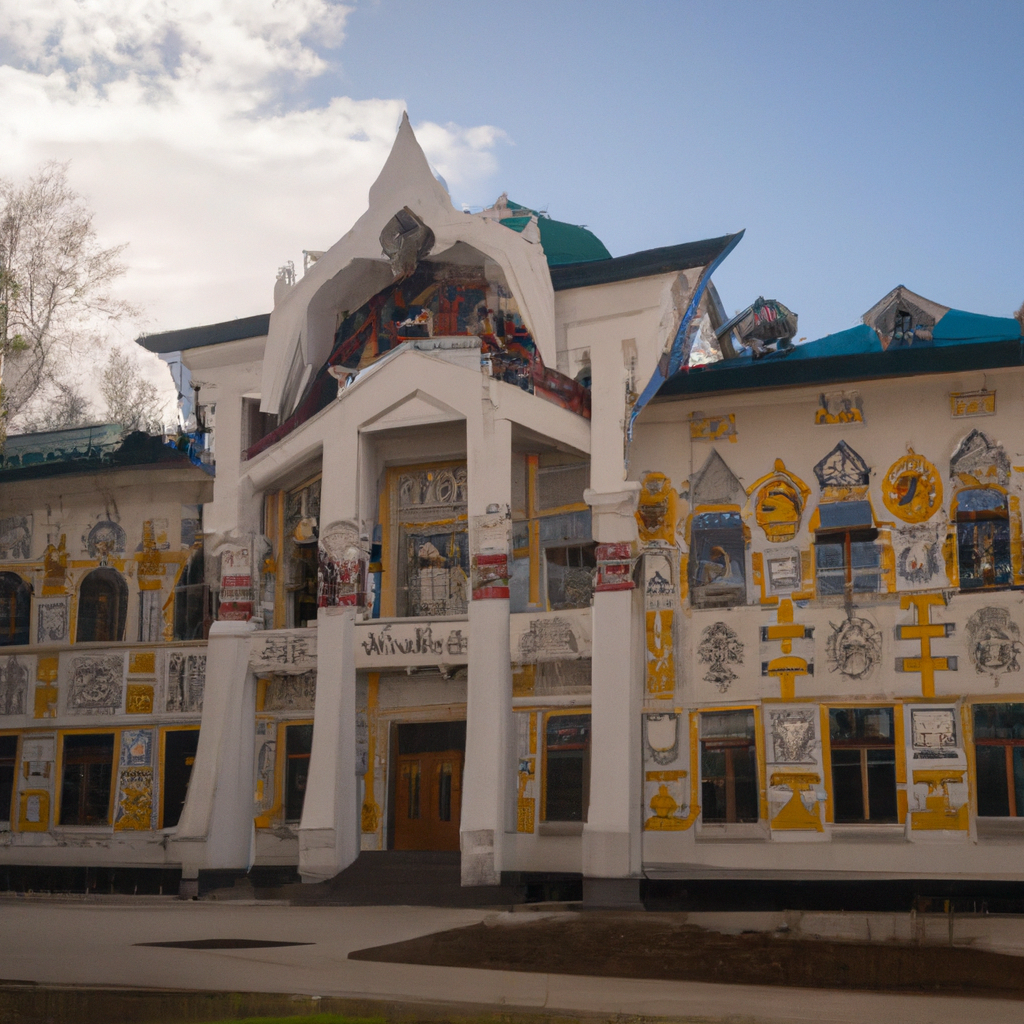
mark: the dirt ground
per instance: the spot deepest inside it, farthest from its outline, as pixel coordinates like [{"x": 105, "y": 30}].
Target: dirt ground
[{"x": 662, "y": 946}]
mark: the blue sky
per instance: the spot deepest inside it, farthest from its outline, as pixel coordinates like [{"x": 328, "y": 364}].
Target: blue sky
[{"x": 861, "y": 145}]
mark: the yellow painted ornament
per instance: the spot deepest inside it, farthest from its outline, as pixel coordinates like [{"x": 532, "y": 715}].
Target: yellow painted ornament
[{"x": 912, "y": 489}]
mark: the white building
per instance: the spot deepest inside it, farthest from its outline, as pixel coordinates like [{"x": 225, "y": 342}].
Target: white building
[{"x": 498, "y": 564}]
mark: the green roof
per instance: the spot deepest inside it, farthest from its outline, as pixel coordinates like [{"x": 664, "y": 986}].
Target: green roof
[{"x": 563, "y": 243}]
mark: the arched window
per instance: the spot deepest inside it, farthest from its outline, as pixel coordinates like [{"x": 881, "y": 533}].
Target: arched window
[
  {"x": 983, "y": 538},
  {"x": 15, "y": 609},
  {"x": 102, "y": 606}
]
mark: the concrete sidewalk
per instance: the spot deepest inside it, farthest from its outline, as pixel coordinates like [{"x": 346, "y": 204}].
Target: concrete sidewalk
[{"x": 87, "y": 943}]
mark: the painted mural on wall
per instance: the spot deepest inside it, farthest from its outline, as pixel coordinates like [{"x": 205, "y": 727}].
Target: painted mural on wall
[
  {"x": 836, "y": 408},
  {"x": 526, "y": 757},
  {"x": 290, "y": 693},
  {"x": 659, "y": 612},
  {"x": 15, "y": 538},
  {"x": 553, "y": 638},
  {"x": 14, "y": 677},
  {"x": 662, "y": 737},
  {"x": 841, "y": 470},
  {"x": 96, "y": 684},
  {"x": 787, "y": 650},
  {"x": 979, "y": 461},
  {"x": 854, "y": 647},
  {"x": 912, "y": 488},
  {"x": 186, "y": 681},
  {"x": 656, "y": 512},
  {"x": 717, "y": 557},
  {"x": 713, "y": 428},
  {"x": 134, "y": 800},
  {"x": 235, "y": 583},
  {"x": 105, "y": 539},
  {"x": 993, "y": 643},
  {"x": 919, "y": 561},
  {"x": 51, "y": 620},
  {"x": 933, "y": 733},
  {"x": 665, "y": 798},
  {"x": 283, "y": 651},
  {"x": 793, "y": 736},
  {"x": 779, "y": 503},
  {"x": 720, "y": 648},
  {"x": 972, "y": 403},
  {"x": 136, "y": 747}
]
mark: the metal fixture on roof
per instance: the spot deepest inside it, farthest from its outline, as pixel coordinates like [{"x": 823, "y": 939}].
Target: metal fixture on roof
[{"x": 763, "y": 323}]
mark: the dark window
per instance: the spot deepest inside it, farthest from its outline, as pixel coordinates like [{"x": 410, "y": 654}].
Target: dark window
[
  {"x": 567, "y": 767},
  {"x": 102, "y": 606},
  {"x": 863, "y": 764},
  {"x": 255, "y": 424},
  {"x": 728, "y": 758},
  {"x": 570, "y": 570},
  {"x": 999, "y": 749},
  {"x": 180, "y": 747},
  {"x": 444, "y": 791},
  {"x": 847, "y": 561},
  {"x": 983, "y": 539},
  {"x": 85, "y": 781},
  {"x": 717, "y": 560},
  {"x": 8, "y": 760},
  {"x": 15, "y": 609},
  {"x": 297, "y": 747},
  {"x": 192, "y": 613}
]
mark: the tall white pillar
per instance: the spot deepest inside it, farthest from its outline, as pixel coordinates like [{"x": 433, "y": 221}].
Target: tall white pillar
[
  {"x": 216, "y": 831},
  {"x": 489, "y": 702},
  {"x": 329, "y": 830}
]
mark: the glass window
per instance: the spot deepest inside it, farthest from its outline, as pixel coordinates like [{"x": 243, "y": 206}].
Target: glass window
[
  {"x": 298, "y": 746},
  {"x": 180, "y": 747},
  {"x": 728, "y": 767},
  {"x": 102, "y": 606},
  {"x": 8, "y": 759},
  {"x": 847, "y": 559},
  {"x": 567, "y": 767},
  {"x": 717, "y": 560},
  {"x": 999, "y": 752},
  {"x": 863, "y": 764},
  {"x": 15, "y": 609},
  {"x": 983, "y": 539},
  {"x": 85, "y": 779},
  {"x": 192, "y": 613}
]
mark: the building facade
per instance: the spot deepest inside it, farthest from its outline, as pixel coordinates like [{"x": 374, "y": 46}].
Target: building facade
[{"x": 502, "y": 557}]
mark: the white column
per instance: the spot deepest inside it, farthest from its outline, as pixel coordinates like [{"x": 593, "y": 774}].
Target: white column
[
  {"x": 216, "y": 827},
  {"x": 329, "y": 830},
  {"x": 485, "y": 779}
]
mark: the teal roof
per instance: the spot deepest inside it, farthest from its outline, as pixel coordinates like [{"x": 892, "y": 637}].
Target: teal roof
[{"x": 563, "y": 243}]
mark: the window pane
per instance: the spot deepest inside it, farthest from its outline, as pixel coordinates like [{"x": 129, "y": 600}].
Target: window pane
[
  {"x": 829, "y": 553},
  {"x": 868, "y": 725},
  {"x": 882, "y": 785},
  {"x": 180, "y": 747},
  {"x": 983, "y": 551},
  {"x": 736, "y": 724},
  {"x": 984, "y": 500},
  {"x": 85, "y": 780},
  {"x": 999, "y": 721},
  {"x": 1018, "y": 780},
  {"x": 298, "y": 744},
  {"x": 713, "y": 785},
  {"x": 564, "y": 786},
  {"x": 831, "y": 581},
  {"x": 717, "y": 560},
  {"x": 744, "y": 765},
  {"x": 847, "y": 786},
  {"x": 865, "y": 555},
  {"x": 993, "y": 797}
]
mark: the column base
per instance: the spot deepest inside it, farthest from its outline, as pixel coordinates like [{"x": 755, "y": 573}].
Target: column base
[
  {"x": 479, "y": 861},
  {"x": 612, "y": 894}
]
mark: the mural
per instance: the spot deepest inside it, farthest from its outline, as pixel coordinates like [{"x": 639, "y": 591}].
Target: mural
[
  {"x": 135, "y": 800},
  {"x": 923, "y": 631},
  {"x": 912, "y": 488},
  {"x": 933, "y": 733},
  {"x": 290, "y": 693},
  {"x": 14, "y": 675},
  {"x": 662, "y": 738},
  {"x": 96, "y": 684},
  {"x": 993, "y": 643},
  {"x": 55, "y": 567},
  {"x": 719, "y": 649},
  {"x": 793, "y": 736},
  {"x": 839, "y": 407},
  {"x": 186, "y": 681},
  {"x": 15, "y": 537},
  {"x": 51, "y": 620},
  {"x": 136, "y": 747},
  {"x": 787, "y": 650},
  {"x": 659, "y": 610},
  {"x": 284, "y": 651},
  {"x": 972, "y": 403},
  {"x": 854, "y": 648},
  {"x": 106, "y": 538},
  {"x": 713, "y": 428},
  {"x": 235, "y": 583},
  {"x": 656, "y": 513},
  {"x": 841, "y": 469},
  {"x": 780, "y": 502},
  {"x": 978, "y": 461},
  {"x": 784, "y": 570},
  {"x": 919, "y": 561}
]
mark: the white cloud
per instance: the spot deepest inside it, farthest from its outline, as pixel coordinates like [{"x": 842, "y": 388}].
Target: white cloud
[{"x": 187, "y": 134}]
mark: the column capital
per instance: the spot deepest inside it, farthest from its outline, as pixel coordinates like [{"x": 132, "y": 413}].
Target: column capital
[{"x": 613, "y": 512}]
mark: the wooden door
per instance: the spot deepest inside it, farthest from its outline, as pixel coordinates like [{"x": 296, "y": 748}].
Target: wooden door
[{"x": 428, "y": 800}]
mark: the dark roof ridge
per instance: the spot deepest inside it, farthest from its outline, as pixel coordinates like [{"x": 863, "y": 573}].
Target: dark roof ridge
[{"x": 206, "y": 334}]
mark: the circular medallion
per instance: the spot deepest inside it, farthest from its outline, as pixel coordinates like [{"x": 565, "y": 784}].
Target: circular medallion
[{"x": 912, "y": 489}]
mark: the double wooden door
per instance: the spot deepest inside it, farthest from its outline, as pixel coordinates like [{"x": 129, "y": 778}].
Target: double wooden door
[{"x": 428, "y": 800}]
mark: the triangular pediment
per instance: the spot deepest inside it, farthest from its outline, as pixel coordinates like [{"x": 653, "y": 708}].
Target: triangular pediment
[
  {"x": 416, "y": 409},
  {"x": 716, "y": 484}
]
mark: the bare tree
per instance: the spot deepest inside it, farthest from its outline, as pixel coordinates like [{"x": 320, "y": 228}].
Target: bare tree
[
  {"x": 66, "y": 407},
  {"x": 55, "y": 282},
  {"x": 131, "y": 400}
]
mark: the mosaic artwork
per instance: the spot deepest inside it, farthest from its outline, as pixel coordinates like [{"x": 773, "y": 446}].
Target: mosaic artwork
[
  {"x": 993, "y": 642},
  {"x": 14, "y": 675},
  {"x": 719, "y": 649},
  {"x": 15, "y": 537},
  {"x": 51, "y": 620},
  {"x": 854, "y": 648},
  {"x": 793, "y": 736},
  {"x": 95, "y": 685},
  {"x": 136, "y": 747},
  {"x": 186, "y": 681},
  {"x": 290, "y": 693},
  {"x": 912, "y": 488},
  {"x": 135, "y": 800},
  {"x": 919, "y": 561}
]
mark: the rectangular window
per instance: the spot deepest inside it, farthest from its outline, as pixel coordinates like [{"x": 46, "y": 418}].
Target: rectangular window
[
  {"x": 999, "y": 750},
  {"x": 298, "y": 746},
  {"x": 717, "y": 560},
  {"x": 85, "y": 779},
  {"x": 847, "y": 560},
  {"x": 8, "y": 760},
  {"x": 983, "y": 539},
  {"x": 566, "y": 767},
  {"x": 728, "y": 760},
  {"x": 180, "y": 747},
  {"x": 863, "y": 764}
]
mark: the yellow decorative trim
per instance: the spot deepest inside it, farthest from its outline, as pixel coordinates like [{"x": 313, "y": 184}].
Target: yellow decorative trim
[
  {"x": 826, "y": 758},
  {"x": 45, "y": 702},
  {"x": 142, "y": 663},
  {"x": 939, "y": 815},
  {"x": 139, "y": 699},
  {"x": 46, "y": 669},
  {"x": 666, "y": 776},
  {"x": 43, "y": 824},
  {"x": 794, "y": 815}
]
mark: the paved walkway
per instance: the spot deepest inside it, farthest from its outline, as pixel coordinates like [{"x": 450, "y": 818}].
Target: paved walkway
[{"x": 89, "y": 943}]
